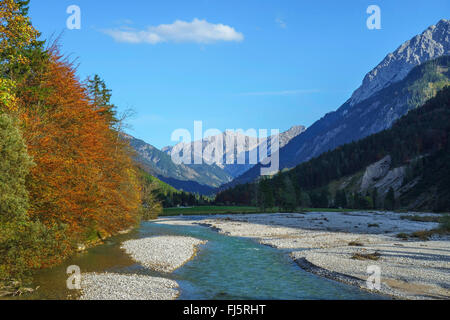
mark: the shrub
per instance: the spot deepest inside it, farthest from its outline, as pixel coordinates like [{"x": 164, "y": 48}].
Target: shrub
[
  {"x": 366, "y": 256},
  {"x": 445, "y": 223}
]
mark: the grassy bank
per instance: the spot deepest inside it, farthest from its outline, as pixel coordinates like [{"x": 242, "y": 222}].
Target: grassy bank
[{"x": 207, "y": 210}]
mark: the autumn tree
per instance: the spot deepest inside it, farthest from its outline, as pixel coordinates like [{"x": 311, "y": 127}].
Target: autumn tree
[
  {"x": 83, "y": 180},
  {"x": 17, "y": 36},
  {"x": 84, "y": 177}
]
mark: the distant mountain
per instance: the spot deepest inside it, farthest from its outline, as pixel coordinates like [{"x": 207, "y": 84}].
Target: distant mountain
[
  {"x": 196, "y": 178},
  {"x": 249, "y": 144},
  {"x": 285, "y": 137},
  {"x": 388, "y": 92}
]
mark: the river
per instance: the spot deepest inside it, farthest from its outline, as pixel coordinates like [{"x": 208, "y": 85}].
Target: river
[{"x": 225, "y": 268}]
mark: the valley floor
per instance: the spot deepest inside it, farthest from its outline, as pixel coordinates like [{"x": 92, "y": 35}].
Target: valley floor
[{"x": 342, "y": 245}]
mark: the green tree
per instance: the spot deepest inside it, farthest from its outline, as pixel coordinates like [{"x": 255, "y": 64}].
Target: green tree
[
  {"x": 289, "y": 201},
  {"x": 305, "y": 200},
  {"x": 23, "y": 243},
  {"x": 355, "y": 200},
  {"x": 341, "y": 199},
  {"x": 151, "y": 206},
  {"x": 375, "y": 198},
  {"x": 21, "y": 55},
  {"x": 266, "y": 199},
  {"x": 14, "y": 167},
  {"x": 324, "y": 198},
  {"x": 101, "y": 96},
  {"x": 366, "y": 202},
  {"x": 389, "y": 200}
]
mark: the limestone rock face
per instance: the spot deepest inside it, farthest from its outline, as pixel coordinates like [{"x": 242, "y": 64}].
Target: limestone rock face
[
  {"x": 432, "y": 43},
  {"x": 375, "y": 172},
  {"x": 394, "y": 178},
  {"x": 381, "y": 176}
]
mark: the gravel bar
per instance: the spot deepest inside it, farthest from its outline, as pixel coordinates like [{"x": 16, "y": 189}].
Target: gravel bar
[
  {"x": 165, "y": 253},
  {"x": 111, "y": 286},
  {"x": 326, "y": 243}
]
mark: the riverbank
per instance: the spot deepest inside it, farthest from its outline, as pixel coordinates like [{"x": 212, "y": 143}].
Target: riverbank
[{"x": 342, "y": 245}]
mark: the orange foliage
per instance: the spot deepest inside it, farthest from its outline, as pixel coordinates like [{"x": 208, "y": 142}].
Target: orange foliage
[{"x": 84, "y": 176}]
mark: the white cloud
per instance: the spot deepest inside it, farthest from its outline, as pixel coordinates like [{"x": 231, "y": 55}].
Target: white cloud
[
  {"x": 281, "y": 93},
  {"x": 197, "y": 31}
]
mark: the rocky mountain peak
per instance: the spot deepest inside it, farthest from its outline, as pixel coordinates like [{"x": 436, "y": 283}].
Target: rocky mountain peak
[
  {"x": 288, "y": 135},
  {"x": 432, "y": 43}
]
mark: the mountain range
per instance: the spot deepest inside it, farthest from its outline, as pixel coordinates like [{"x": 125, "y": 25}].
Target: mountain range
[
  {"x": 388, "y": 92},
  {"x": 394, "y": 87},
  {"x": 200, "y": 178},
  {"x": 249, "y": 144}
]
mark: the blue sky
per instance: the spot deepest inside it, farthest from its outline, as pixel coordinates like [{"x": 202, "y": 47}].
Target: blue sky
[{"x": 231, "y": 63}]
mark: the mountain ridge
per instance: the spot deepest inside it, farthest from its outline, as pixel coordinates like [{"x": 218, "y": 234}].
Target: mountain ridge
[
  {"x": 356, "y": 120},
  {"x": 195, "y": 178},
  {"x": 431, "y": 43},
  {"x": 250, "y": 143}
]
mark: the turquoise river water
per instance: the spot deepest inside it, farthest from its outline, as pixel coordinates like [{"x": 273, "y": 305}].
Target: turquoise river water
[{"x": 225, "y": 268}]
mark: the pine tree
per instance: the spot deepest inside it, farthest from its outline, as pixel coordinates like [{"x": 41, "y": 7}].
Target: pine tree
[
  {"x": 375, "y": 198},
  {"x": 266, "y": 199},
  {"x": 289, "y": 201},
  {"x": 341, "y": 199},
  {"x": 389, "y": 201},
  {"x": 305, "y": 200},
  {"x": 324, "y": 198},
  {"x": 100, "y": 96}
]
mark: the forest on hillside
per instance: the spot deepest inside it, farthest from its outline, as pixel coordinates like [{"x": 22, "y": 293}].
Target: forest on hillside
[
  {"x": 66, "y": 176},
  {"x": 419, "y": 141},
  {"x": 169, "y": 197}
]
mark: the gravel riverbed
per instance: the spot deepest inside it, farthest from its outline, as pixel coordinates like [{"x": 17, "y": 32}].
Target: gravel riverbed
[{"x": 326, "y": 243}]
